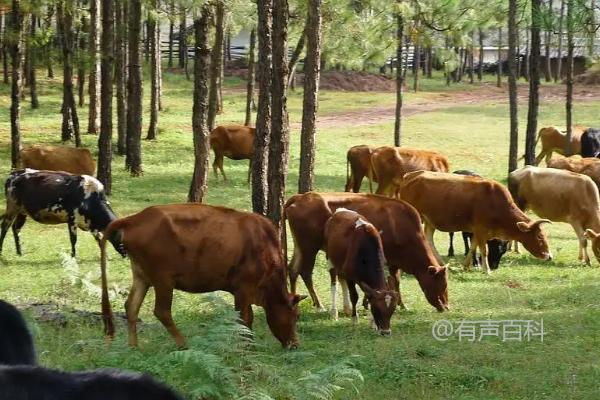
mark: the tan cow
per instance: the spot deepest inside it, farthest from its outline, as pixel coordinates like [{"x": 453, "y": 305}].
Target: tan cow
[
  {"x": 560, "y": 196},
  {"x": 589, "y": 166},
  {"x": 390, "y": 164},
  {"x": 554, "y": 140},
  {"x": 451, "y": 202},
  {"x": 358, "y": 163},
  {"x": 232, "y": 141},
  {"x": 75, "y": 160}
]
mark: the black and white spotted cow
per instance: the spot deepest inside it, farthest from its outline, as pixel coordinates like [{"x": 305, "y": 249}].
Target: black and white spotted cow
[{"x": 51, "y": 197}]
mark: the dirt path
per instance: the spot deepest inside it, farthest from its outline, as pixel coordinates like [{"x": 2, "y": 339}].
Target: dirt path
[{"x": 439, "y": 101}]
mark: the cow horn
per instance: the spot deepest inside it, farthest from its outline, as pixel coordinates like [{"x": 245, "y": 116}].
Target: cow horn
[{"x": 541, "y": 221}]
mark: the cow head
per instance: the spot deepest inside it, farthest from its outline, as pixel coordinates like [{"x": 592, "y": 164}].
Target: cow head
[
  {"x": 282, "y": 317},
  {"x": 383, "y": 304},
  {"x": 496, "y": 249},
  {"x": 434, "y": 283},
  {"x": 534, "y": 238},
  {"x": 595, "y": 239}
]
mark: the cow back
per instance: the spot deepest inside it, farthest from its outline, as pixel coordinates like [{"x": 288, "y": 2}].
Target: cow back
[{"x": 77, "y": 161}]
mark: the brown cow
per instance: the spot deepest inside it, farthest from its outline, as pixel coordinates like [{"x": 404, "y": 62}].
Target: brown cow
[
  {"x": 75, "y": 160},
  {"x": 553, "y": 140},
  {"x": 232, "y": 141},
  {"x": 560, "y": 196},
  {"x": 390, "y": 164},
  {"x": 198, "y": 248},
  {"x": 403, "y": 240},
  {"x": 451, "y": 202},
  {"x": 355, "y": 252},
  {"x": 589, "y": 166},
  {"x": 358, "y": 162}
]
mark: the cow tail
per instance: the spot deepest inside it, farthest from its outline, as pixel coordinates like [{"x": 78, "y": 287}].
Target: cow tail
[
  {"x": 370, "y": 173},
  {"x": 537, "y": 139},
  {"x": 347, "y": 172}
]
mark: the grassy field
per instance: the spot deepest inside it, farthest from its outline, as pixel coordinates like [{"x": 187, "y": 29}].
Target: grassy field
[{"x": 410, "y": 364}]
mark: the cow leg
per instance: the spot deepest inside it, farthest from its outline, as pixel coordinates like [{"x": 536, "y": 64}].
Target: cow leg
[
  {"x": 137, "y": 294},
  {"x": 429, "y": 230},
  {"x": 244, "y": 307},
  {"x": 451, "y": 247},
  {"x": 538, "y": 159},
  {"x": 353, "y": 299},
  {"x": 357, "y": 181},
  {"x": 334, "y": 310},
  {"x": 548, "y": 157},
  {"x": 72, "y": 233},
  {"x": 470, "y": 254},
  {"x": 394, "y": 284},
  {"x": 346, "y": 297},
  {"x": 162, "y": 311},
  {"x": 583, "y": 253},
  {"x": 302, "y": 264},
  {"x": 16, "y": 228},
  {"x": 7, "y": 221},
  {"x": 467, "y": 236},
  {"x": 482, "y": 244}
]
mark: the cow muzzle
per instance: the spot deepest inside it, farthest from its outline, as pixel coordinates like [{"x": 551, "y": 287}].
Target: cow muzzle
[
  {"x": 385, "y": 332},
  {"x": 547, "y": 256}
]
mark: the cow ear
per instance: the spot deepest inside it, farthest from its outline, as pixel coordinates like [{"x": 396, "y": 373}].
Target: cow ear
[
  {"x": 297, "y": 298},
  {"x": 367, "y": 289},
  {"x": 523, "y": 226},
  {"x": 590, "y": 234}
]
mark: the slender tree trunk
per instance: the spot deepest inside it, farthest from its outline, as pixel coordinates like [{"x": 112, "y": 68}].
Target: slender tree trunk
[
  {"x": 405, "y": 70},
  {"x": 81, "y": 61},
  {"x": 171, "y": 30},
  {"x": 416, "y": 64},
  {"x": 200, "y": 111},
  {"x": 32, "y": 65},
  {"x": 94, "y": 83},
  {"x": 228, "y": 46},
  {"x": 16, "y": 29},
  {"x": 121, "y": 78},
  {"x": 145, "y": 36},
  {"x": 558, "y": 75},
  {"x": 526, "y": 70},
  {"x": 399, "y": 78},
  {"x": 49, "y": 46},
  {"x": 5, "y": 49},
  {"x": 159, "y": 67},
  {"x": 512, "y": 86},
  {"x": 518, "y": 52},
  {"x": 251, "y": 78},
  {"x": 296, "y": 56},
  {"x": 280, "y": 134},
  {"x": 263, "y": 117},
  {"x": 182, "y": 38},
  {"x": 593, "y": 23},
  {"x": 154, "y": 47},
  {"x": 472, "y": 59},
  {"x": 312, "y": 72},
  {"x": 569, "y": 100},
  {"x": 216, "y": 63},
  {"x": 107, "y": 68},
  {"x": 134, "y": 91},
  {"x": 430, "y": 64},
  {"x": 547, "y": 36},
  {"x": 534, "y": 83},
  {"x": 480, "y": 66},
  {"x": 221, "y": 76},
  {"x": 499, "y": 70}
]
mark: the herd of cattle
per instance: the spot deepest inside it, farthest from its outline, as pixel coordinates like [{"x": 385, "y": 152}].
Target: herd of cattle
[{"x": 208, "y": 248}]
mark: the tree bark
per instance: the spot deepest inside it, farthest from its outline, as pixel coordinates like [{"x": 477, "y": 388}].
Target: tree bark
[
  {"x": 558, "y": 75},
  {"x": 216, "y": 63},
  {"x": 154, "y": 48},
  {"x": 527, "y": 53},
  {"x": 263, "y": 117},
  {"x": 296, "y": 56},
  {"x": 534, "y": 83},
  {"x": 134, "y": 91},
  {"x": 472, "y": 59},
  {"x": 280, "y": 140},
  {"x": 200, "y": 111},
  {"x": 512, "y": 86},
  {"x": 480, "y": 66},
  {"x": 32, "y": 65},
  {"x": 81, "y": 61},
  {"x": 107, "y": 68},
  {"x": 49, "y": 46},
  {"x": 182, "y": 38},
  {"x": 121, "y": 78},
  {"x": 250, "y": 78},
  {"x": 569, "y": 99},
  {"x": 94, "y": 83},
  {"x": 171, "y": 30},
  {"x": 547, "y": 36},
  {"x": 499, "y": 69},
  {"x": 405, "y": 69},
  {"x": 16, "y": 28},
  {"x": 399, "y": 78},
  {"x": 159, "y": 67},
  {"x": 416, "y": 64},
  {"x": 4, "y": 49},
  {"x": 312, "y": 72}
]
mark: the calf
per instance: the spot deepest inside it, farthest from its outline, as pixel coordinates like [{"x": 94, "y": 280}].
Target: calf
[
  {"x": 232, "y": 141},
  {"x": 451, "y": 202},
  {"x": 56, "y": 198},
  {"x": 560, "y": 196},
  {"x": 554, "y": 140},
  {"x": 16, "y": 343},
  {"x": 31, "y": 382},
  {"x": 203, "y": 249},
  {"x": 75, "y": 160},
  {"x": 590, "y": 143},
  {"x": 358, "y": 163},
  {"x": 355, "y": 253}
]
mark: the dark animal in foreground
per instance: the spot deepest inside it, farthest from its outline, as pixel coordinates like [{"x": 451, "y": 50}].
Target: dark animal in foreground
[
  {"x": 232, "y": 141},
  {"x": 50, "y": 197},
  {"x": 358, "y": 163},
  {"x": 590, "y": 143},
  {"x": 355, "y": 252},
  {"x": 16, "y": 343},
  {"x": 198, "y": 248},
  {"x": 75, "y": 160}
]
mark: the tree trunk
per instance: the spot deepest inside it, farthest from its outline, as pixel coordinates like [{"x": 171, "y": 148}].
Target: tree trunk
[
  {"x": 405, "y": 70},
  {"x": 49, "y": 46},
  {"x": 480, "y": 66},
  {"x": 280, "y": 134},
  {"x": 171, "y": 30},
  {"x": 430, "y": 64},
  {"x": 512, "y": 86},
  {"x": 81, "y": 61},
  {"x": 263, "y": 117},
  {"x": 154, "y": 47},
  {"x": 216, "y": 63},
  {"x": 145, "y": 37},
  {"x": 569, "y": 100},
  {"x": 416, "y": 64},
  {"x": 182, "y": 38},
  {"x": 399, "y": 78},
  {"x": 200, "y": 111},
  {"x": 5, "y": 49},
  {"x": 312, "y": 71},
  {"x": 134, "y": 91},
  {"x": 534, "y": 83},
  {"x": 296, "y": 56},
  {"x": 159, "y": 67},
  {"x": 121, "y": 77},
  {"x": 16, "y": 29},
  {"x": 547, "y": 36},
  {"x": 518, "y": 52},
  {"x": 250, "y": 78},
  {"x": 94, "y": 83},
  {"x": 107, "y": 68},
  {"x": 527, "y": 53},
  {"x": 472, "y": 59},
  {"x": 32, "y": 65},
  {"x": 558, "y": 75},
  {"x": 228, "y": 46},
  {"x": 499, "y": 69}
]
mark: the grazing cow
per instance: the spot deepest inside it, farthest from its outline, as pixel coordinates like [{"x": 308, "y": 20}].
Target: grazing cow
[
  {"x": 75, "y": 160},
  {"x": 355, "y": 253},
  {"x": 554, "y": 141},
  {"x": 203, "y": 249},
  {"x": 590, "y": 143},
  {"x": 401, "y": 233},
  {"x": 589, "y": 166},
  {"x": 358, "y": 162},
  {"x": 32, "y": 382},
  {"x": 451, "y": 202},
  {"x": 560, "y": 196},
  {"x": 56, "y": 198},
  {"x": 496, "y": 248},
  {"x": 390, "y": 164},
  {"x": 16, "y": 343},
  {"x": 232, "y": 141}
]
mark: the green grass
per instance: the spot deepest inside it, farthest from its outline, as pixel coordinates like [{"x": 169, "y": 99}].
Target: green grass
[{"x": 410, "y": 364}]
